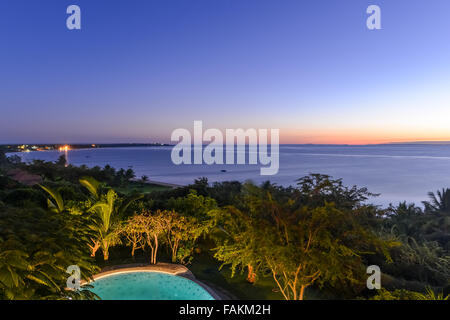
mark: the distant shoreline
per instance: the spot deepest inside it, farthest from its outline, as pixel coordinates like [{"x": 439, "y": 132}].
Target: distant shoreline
[
  {"x": 12, "y": 148},
  {"x": 51, "y": 147}
]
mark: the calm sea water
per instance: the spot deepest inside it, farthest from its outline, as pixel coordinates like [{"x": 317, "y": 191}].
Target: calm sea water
[{"x": 398, "y": 172}]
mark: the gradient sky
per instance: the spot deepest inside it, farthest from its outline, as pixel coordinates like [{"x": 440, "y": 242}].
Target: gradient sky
[{"x": 138, "y": 69}]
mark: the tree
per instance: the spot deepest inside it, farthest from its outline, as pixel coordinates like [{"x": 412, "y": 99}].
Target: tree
[
  {"x": 106, "y": 207},
  {"x": 106, "y": 223},
  {"x": 154, "y": 227},
  {"x": 439, "y": 202},
  {"x": 62, "y": 160},
  {"x": 402, "y": 294},
  {"x": 422, "y": 261},
  {"x": 193, "y": 205},
  {"x": 129, "y": 174},
  {"x": 55, "y": 202},
  {"x": 36, "y": 247},
  {"x": 181, "y": 233},
  {"x": 324, "y": 246},
  {"x": 316, "y": 189},
  {"x": 405, "y": 220},
  {"x": 237, "y": 241},
  {"x": 300, "y": 245},
  {"x": 226, "y": 193},
  {"x": 3, "y": 159},
  {"x": 437, "y": 225},
  {"x": 143, "y": 230},
  {"x": 133, "y": 230},
  {"x": 432, "y": 295}
]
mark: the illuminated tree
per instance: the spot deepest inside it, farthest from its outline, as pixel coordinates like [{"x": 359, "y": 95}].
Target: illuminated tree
[
  {"x": 181, "y": 233},
  {"x": 153, "y": 227},
  {"x": 36, "y": 247},
  {"x": 297, "y": 244},
  {"x": 133, "y": 230},
  {"x": 106, "y": 223}
]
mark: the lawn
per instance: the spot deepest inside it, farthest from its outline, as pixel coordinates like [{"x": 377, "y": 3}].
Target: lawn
[{"x": 139, "y": 187}]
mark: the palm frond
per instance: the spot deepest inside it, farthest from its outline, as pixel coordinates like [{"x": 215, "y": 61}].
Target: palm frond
[
  {"x": 91, "y": 184},
  {"x": 58, "y": 203}
]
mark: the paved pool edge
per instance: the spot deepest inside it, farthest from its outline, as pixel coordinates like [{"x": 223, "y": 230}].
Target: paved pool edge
[{"x": 168, "y": 268}]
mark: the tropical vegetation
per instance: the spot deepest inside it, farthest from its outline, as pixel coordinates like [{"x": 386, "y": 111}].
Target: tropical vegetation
[{"x": 312, "y": 240}]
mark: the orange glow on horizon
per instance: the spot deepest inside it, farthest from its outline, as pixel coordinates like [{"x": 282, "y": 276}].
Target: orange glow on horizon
[{"x": 358, "y": 137}]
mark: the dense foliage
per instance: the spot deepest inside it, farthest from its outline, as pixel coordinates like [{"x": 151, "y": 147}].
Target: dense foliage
[{"x": 318, "y": 235}]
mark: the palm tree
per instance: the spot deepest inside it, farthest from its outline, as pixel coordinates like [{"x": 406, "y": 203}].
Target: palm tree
[
  {"x": 439, "y": 206},
  {"x": 92, "y": 185},
  {"x": 33, "y": 261},
  {"x": 431, "y": 295},
  {"x": 56, "y": 202},
  {"x": 439, "y": 203},
  {"x": 129, "y": 174},
  {"x": 106, "y": 223},
  {"x": 405, "y": 220}
]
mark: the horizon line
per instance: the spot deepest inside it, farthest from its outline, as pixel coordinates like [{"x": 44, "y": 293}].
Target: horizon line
[{"x": 435, "y": 142}]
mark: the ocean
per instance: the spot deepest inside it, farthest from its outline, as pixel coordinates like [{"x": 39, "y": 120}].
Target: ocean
[{"x": 399, "y": 172}]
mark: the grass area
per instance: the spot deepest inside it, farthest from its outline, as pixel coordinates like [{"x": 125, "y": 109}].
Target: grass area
[
  {"x": 206, "y": 269},
  {"x": 140, "y": 187}
]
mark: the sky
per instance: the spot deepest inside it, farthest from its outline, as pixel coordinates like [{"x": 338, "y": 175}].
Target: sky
[{"x": 138, "y": 69}]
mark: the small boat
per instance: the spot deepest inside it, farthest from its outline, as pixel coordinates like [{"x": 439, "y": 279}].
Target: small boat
[{"x": 223, "y": 170}]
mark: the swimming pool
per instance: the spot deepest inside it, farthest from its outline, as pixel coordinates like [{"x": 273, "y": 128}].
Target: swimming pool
[{"x": 148, "y": 286}]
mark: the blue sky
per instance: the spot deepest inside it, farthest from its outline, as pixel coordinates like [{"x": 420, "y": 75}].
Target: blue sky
[{"x": 140, "y": 68}]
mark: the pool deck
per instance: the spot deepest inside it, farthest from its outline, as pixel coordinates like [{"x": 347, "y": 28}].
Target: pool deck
[{"x": 169, "y": 268}]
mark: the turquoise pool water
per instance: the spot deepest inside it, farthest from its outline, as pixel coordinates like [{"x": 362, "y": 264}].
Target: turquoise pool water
[{"x": 148, "y": 286}]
